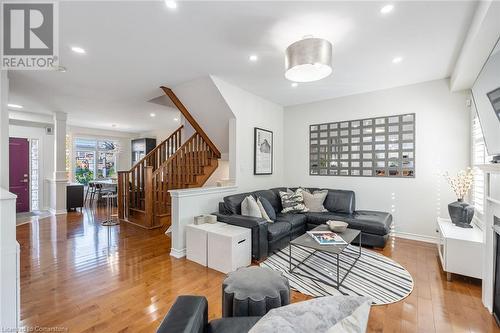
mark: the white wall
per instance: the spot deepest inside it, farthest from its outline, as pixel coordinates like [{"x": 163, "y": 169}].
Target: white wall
[
  {"x": 204, "y": 102},
  {"x": 221, "y": 173},
  {"x": 252, "y": 111},
  {"x": 442, "y": 144},
  {"x": 46, "y": 156},
  {"x": 489, "y": 80}
]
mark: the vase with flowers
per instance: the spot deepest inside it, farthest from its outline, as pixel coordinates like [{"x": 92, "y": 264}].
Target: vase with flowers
[{"x": 461, "y": 213}]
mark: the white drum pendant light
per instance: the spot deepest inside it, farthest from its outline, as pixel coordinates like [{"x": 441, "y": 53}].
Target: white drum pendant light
[{"x": 309, "y": 59}]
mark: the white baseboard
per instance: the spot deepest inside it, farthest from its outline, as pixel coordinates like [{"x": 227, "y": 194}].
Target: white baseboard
[
  {"x": 416, "y": 237},
  {"x": 58, "y": 212},
  {"x": 178, "y": 253}
]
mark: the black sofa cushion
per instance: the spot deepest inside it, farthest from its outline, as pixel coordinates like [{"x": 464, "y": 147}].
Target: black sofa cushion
[
  {"x": 232, "y": 324},
  {"x": 340, "y": 201},
  {"x": 273, "y": 198},
  {"x": 277, "y": 230},
  {"x": 377, "y": 223},
  {"x": 295, "y": 220},
  {"x": 233, "y": 202}
]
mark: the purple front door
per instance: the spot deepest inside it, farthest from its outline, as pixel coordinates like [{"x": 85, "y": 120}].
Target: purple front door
[{"x": 19, "y": 170}]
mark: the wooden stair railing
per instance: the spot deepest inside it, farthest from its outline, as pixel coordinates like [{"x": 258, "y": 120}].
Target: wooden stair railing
[
  {"x": 190, "y": 166},
  {"x": 191, "y": 120},
  {"x": 134, "y": 198},
  {"x": 143, "y": 192}
]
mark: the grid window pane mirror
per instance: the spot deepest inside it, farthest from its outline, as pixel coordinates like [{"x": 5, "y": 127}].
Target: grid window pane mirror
[{"x": 372, "y": 147}]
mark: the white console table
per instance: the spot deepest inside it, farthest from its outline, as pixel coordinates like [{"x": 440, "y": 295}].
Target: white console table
[{"x": 460, "y": 249}]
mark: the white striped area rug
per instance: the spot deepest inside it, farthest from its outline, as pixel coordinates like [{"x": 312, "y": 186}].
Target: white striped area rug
[{"x": 374, "y": 275}]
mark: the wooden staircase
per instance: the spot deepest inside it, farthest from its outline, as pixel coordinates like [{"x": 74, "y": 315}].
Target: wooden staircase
[{"x": 143, "y": 191}]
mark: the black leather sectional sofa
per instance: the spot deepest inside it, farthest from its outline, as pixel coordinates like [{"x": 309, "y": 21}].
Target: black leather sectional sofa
[{"x": 271, "y": 237}]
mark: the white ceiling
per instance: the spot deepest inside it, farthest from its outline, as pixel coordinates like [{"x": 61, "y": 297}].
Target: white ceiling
[{"x": 134, "y": 47}]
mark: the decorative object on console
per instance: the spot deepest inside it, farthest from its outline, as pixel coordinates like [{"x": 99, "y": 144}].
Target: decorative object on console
[
  {"x": 210, "y": 219},
  {"x": 293, "y": 202},
  {"x": 461, "y": 213},
  {"x": 337, "y": 226},
  {"x": 200, "y": 219},
  {"x": 263, "y": 152},
  {"x": 372, "y": 147}
]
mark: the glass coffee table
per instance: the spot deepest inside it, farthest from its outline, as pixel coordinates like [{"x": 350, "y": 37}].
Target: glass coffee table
[{"x": 307, "y": 242}]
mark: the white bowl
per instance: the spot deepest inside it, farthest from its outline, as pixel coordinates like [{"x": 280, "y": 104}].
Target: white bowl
[{"x": 337, "y": 226}]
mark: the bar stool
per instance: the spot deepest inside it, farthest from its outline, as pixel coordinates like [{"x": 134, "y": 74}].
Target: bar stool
[
  {"x": 90, "y": 192},
  {"x": 110, "y": 197}
]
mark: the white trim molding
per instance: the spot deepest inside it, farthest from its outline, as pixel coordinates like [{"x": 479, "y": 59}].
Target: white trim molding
[
  {"x": 416, "y": 237},
  {"x": 178, "y": 253},
  {"x": 201, "y": 191}
]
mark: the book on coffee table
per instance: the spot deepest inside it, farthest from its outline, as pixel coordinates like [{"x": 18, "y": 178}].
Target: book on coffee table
[{"x": 326, "y": 238}]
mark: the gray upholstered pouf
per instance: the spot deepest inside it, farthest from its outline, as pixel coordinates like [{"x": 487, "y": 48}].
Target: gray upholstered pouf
[{"x": 253, "y": 291}]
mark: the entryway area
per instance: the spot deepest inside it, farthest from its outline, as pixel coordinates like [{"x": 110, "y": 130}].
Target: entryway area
[{"x": 24, "y": 178}]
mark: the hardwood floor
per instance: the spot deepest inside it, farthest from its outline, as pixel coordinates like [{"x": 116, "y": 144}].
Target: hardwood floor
[{"x": 78, "y": 275}]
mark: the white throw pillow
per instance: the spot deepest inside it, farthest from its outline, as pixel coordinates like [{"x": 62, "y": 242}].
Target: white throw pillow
[
  {"x": 263, "y": 211},
  {"x": 328, "y": 314},
  {"x": 314, "y": 201},
  {"x": 249, "y": 207}
]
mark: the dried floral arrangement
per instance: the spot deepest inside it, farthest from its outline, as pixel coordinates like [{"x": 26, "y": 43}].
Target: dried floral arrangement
[{"x": 461, "y": 182}]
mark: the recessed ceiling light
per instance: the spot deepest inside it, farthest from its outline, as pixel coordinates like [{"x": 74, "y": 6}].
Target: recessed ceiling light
[
  {"x": 387, "y": 9},
  {"x": 176, "y": 119},
  {"x": 78, "y": 49},
  {"x": 294, "y": 84},
  {"x": 253, "y": 58},
  {"x": 152, "y": 114},
  {"x": 397, "y": 60},
  {"x": 171, "y": 4},
  {"x": 15, "y": 106}
]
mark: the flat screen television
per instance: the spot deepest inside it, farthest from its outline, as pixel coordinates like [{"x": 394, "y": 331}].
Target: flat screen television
[{"x": 486, "y": 95}]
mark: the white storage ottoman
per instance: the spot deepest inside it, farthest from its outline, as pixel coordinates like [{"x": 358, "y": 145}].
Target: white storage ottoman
[
  {"x": 229, "y": 248},
  {"x": 196, "y": 241}
]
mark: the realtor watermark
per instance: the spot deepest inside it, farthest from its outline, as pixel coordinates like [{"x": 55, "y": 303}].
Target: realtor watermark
[{"x": 30, "y": 35}]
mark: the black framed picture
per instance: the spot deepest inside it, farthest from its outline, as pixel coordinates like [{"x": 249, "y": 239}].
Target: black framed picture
[{"x": 263, "y": 152}]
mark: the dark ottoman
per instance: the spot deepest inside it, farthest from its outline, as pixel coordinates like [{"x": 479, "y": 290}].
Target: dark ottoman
[{"x": 253, "y": 291}]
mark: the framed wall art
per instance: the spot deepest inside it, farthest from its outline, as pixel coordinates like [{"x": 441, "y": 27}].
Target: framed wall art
[{"x": 263, "y": 152}]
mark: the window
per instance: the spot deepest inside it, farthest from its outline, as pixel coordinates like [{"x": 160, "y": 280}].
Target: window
[
  {"x": 94, "y": 159},
  {"x": 35, "y": 168},
  {"x": 479, "y": 156}
]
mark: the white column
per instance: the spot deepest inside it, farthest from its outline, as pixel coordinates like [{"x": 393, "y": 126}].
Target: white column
[
  {"x": 60, "y": 178},
  {"x": 4, "y": 130}
]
